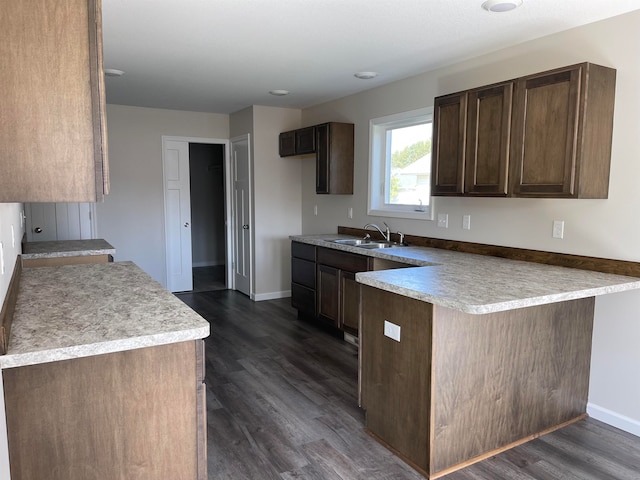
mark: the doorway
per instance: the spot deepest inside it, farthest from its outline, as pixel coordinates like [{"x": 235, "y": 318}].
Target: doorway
[
  {"x": 207, "y": 194},
  {"x": 198, "y": 222}
]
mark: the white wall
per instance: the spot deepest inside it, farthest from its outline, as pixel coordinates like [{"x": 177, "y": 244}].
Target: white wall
[
  {"x": 603, "y": 228},
  {"x": 132, "y": 215},
  {"x": 277, "y": 196},
  {"x": 10, "y": 215}
]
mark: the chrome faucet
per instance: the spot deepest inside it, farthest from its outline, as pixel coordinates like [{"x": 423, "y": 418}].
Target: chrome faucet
[{"x": 386, "y": 234}]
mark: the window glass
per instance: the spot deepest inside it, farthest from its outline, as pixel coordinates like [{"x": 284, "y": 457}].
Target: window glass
[{"x": 400, "y": 165}]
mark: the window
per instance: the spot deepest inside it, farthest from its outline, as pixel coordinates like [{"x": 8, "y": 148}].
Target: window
[{"x": 400, "y": 165}]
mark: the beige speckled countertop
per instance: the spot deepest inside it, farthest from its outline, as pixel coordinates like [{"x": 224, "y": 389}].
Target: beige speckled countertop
[
  {"x": 67, "y": 248},
  {"x": 84, "y": 310},
  {"x": 477, "y": 284}
]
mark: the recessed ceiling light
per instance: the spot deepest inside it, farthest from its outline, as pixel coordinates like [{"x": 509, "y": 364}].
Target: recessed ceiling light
[
  {"x": 112, "y": 72},
  {"x": 366, "y": 75},
  {"x": 279, "y": 93},
  {"x": 499, "y": 6}
]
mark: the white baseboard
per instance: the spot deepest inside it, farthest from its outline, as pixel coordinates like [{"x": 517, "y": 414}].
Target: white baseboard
[
  {"x": 614, "y": 419},
  {"x": 258, "y": 297},
  {"x": 212, "y": 263}
]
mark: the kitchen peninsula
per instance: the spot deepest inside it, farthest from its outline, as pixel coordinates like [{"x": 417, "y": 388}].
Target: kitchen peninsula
[
  {"x": 103, "y": 377},
  {"x": 464, "y": 355}
]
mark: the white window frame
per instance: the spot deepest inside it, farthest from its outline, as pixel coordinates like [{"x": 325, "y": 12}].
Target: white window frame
[{"x": 378, "y": 128}]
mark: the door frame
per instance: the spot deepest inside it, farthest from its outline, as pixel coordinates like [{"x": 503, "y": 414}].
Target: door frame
[{"x": 228, "y": 218}]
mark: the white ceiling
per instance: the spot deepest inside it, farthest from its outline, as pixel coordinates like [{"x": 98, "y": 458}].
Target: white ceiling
[{"x": 223, "y": 55}]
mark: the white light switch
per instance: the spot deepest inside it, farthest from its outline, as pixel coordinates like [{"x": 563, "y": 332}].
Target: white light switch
[
  {"x": 466, "y": 222},
  {"x": 350, "y": 212},
  {"x": 392, "y": 330}
]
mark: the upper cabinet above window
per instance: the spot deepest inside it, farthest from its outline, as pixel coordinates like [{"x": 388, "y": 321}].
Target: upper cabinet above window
[
  {"x": 544, "y": 135},
  {"x": 53, "y": 145}
]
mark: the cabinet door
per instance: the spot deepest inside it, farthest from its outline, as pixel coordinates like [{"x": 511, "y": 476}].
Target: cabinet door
[
  {"x": 287, "y": 143},
  {"x": 449, "y": 132},
  {"x": 322, "y": 159},
  {"x": 350, "y": 302},
  {"x": 545, "y": 134},
  {"x": 487, "y": 144},
  {"x": 329, "y": 294},
  {"x": 305, "y": 140},
  {"x": 54, "y": 148}
]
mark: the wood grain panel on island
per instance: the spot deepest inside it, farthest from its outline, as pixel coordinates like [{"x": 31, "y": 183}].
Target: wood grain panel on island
[{"x": 458, "y": 387}]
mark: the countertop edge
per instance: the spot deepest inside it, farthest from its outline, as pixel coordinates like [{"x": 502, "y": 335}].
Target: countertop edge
[{"x": 100, "y": 348}]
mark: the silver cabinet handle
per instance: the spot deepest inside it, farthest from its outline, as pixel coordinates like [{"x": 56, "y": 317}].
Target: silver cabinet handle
[
  {"x": 245, "y": 227},
  {"x": 186, "y": 224},
  {"x": 37, "y": 230}
]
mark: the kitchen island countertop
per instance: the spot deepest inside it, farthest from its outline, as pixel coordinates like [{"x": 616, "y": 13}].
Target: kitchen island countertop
[
  {"x": 476, "y": 284},
  {"x": 67, "y": 248},
  {"x": 83, "y": 310}
]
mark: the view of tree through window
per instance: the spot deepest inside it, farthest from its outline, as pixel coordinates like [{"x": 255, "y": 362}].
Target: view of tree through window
[{"x": 409, "y": 181}]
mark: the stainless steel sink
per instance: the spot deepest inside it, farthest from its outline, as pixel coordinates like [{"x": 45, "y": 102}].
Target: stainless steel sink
[{"x": 366, "y": 243}]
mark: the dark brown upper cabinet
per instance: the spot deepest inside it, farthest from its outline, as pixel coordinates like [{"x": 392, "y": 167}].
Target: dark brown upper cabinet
[
  {"x": 297, "y": 142},
  {"x": 562, "y": 126},
  {"x": 332, "y": 144},
  {"x": 449, "y": 133},
  {"x": 544, "y": 135}
]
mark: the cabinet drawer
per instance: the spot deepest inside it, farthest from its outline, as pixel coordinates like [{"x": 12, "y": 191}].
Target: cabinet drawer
[
  {"x": 343, "y": 260},
  {"x": 303, "y": 250},
  {"x": 303, "y": 272},
  {"x": 303, "y": 299}
]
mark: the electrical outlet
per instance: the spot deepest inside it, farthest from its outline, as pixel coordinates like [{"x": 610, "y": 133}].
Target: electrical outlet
[
  {"x": 558, "y": 229},
  {"x": 443, "y": 220},
  {"x": 392, "y": 330},
  {"x": 466, "y": 222},
  {"x": 350, "y": 212}
]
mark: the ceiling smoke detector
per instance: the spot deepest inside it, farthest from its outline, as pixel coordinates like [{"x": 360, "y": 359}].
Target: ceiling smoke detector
[
  {"x": 366, "y": 75},
  {"x": 499, "y": 6}
]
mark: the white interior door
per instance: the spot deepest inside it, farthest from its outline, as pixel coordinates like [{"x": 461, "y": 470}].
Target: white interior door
[
  {"x": 177, "y": 215},
  {"x": 60, "y": 221},
  {"x": 241, "y": 168}
]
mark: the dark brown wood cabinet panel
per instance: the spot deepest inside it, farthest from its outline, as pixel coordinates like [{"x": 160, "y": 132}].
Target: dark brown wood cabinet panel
[
  {"x": 396, "y": 376},
  {"x": 303, "y": 278},
  {"x": 131, "y": 414},
  {"x": 303, "y": 250},
  {"x": 563, "y": 122},
  {"x": 334, "y": 158},
  {"x": 351, "y": 262},
  {"x": 287, "y": 143},
  {"x": 544, "y": 135},
  {"x": 449, "y": 116},
  {"x": 303, "y": 272},
  {"x": 53, "y": 145},
  {"x": 350, "y": 305},
  {"x": 328, "y": 288},
  {"x": 305, "y": 140},
  {"x": 487, "y": 143}
]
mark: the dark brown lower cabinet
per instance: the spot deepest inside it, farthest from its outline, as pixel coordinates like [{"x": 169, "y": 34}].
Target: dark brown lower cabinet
[
  {"x": 458, "y": 388},
  {"x": 303, "y": 279},
  {"x": 137, "y": 414}
]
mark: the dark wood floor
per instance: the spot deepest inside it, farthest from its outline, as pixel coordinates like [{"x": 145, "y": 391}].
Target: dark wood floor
[{"x": 281, "y": 404}]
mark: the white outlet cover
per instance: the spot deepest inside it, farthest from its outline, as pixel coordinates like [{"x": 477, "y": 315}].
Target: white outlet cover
[
  {"x": 392, "y": 330},
  {"x": 443, "y": 220},
  {"x": 466, "y": 222}
]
